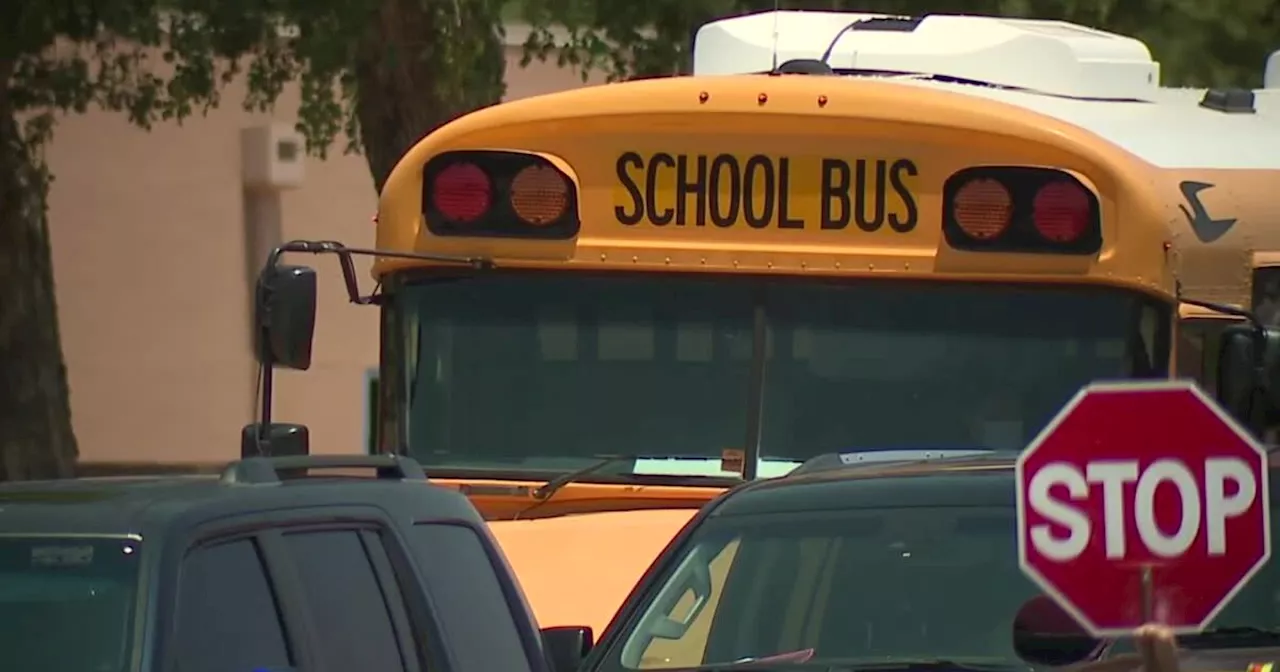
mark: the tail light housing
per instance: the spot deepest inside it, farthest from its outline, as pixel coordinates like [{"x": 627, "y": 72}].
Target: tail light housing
[
  {"x": 498, "y": 194},
  {"x": 1021, "y": 209}
]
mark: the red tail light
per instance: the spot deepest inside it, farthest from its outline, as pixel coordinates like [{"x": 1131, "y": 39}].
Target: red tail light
[
  {"x": 1021, "y": 209},
  {"x": 462, "y": 192},
  {"x": 1061, "y": 211}
]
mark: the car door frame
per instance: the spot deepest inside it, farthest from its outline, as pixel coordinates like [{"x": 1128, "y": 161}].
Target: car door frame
[{"x": 267, "y": 528}]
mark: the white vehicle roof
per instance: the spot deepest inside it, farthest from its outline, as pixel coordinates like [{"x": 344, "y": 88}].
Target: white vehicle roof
[{"x": 1100, "y": 81}]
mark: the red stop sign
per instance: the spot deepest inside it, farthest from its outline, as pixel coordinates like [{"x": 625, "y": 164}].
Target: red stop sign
[{"x": 1134, "y": 475}]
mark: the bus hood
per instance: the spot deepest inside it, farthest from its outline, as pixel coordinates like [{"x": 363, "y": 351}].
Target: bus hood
[{"x": 577, "y": 569}]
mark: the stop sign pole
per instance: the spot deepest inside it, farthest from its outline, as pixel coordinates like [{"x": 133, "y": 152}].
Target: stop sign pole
[{"x": 1143, "y": 502}]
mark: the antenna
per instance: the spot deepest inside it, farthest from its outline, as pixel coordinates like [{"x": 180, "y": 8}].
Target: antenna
[{"x": 776, "y": 8}]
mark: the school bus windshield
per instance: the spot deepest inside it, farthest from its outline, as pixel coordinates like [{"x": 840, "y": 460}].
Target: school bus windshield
[{"x": 547, "y": 371}]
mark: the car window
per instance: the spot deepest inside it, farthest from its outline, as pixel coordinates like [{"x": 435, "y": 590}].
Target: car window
[
  {"x": 349, "y": 613},
  {"x": 462, "y": 580},
  {"x": 856, "y": 584},
  {"x": 227, "y": 614},
  {"x": 909, "y": 582},
  {"x": 692, "y": 607},
  {"x": 67, "y": 603}
]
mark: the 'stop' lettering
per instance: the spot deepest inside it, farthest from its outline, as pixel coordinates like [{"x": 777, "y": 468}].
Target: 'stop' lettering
[{"x": 1206, "y": 505}]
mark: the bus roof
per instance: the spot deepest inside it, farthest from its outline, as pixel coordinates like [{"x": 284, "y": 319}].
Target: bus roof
[
  {"x": 1099, "y": 81},
  {"x": 597, "y": 133},
  {"x": 1052, "y": 57},
  {"x": 1192, "y": 177}
]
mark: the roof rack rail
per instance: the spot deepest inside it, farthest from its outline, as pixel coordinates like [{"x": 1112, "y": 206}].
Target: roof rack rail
[
  {"x": 830, "y": 461},
  {"x": 267, "y": 470}
]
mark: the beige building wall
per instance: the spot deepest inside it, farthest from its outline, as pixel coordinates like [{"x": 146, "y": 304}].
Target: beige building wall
[{"x": 148, "y": 232}]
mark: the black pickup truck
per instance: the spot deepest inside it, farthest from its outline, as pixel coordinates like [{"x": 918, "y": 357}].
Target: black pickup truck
[{"x": 280, "y": 564}]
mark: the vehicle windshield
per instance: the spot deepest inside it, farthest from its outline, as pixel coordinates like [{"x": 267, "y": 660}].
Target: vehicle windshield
[
  {"x": 67, "y": 603},
  {"x": 549, "y": 371},
  {"x": 920, "y": 582}
]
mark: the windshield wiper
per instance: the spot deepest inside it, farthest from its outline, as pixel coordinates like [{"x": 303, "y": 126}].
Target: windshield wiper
[
  {"x": 778, "y": 661},
  {"x": 543, "y": 493},
  {"x": 1233, "y": 636},
  {"x": 858, "y": 665},
  {"x": 894, "y": 664},
  {"x": 554, "y": 485},
  {"x": 551, "y": 487}
]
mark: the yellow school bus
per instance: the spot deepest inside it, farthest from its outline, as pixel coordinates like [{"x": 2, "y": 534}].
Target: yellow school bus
[{"x": 844, "y": 233}]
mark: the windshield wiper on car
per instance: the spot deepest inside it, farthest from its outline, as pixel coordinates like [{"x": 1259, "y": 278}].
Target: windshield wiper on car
[
  {"x": 895, "y": 664},
  {"x": 778, "y": 661},
  {"x": 1229, "y": 637},
  {"x": 885, "y": 664}
]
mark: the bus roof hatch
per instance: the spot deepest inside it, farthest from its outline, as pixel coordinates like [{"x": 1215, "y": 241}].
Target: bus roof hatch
[{"x": 1053, "y": 57}]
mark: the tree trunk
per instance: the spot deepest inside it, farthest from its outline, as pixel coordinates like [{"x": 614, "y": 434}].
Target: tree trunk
[
  {"x": 423, "y": 63},
  {"x": 36, "y": 438}
]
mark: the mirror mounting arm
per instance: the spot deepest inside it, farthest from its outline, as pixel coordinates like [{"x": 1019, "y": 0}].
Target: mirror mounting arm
[
  {"x": 260, "y": 437},
  {"x": 346, "y": 260},
  {"x": 1259, "y": 330}
]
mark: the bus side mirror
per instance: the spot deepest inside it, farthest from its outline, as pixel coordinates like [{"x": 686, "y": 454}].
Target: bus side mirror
[
  {"x": 1249, "y": 375},
  {"x": 285, "y": 316}
]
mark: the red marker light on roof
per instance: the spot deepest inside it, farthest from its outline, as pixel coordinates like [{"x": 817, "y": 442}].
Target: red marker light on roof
[
  {"x": 462, "y": 192},
  {"x": 1060, "y": 211}
]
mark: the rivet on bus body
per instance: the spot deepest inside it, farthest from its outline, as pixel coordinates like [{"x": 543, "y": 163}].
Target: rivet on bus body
[
  {"x": 635, "y": 259},
  {"x": 704, "y": 97},
  {"x": 604, "y": 257},
  {"x": 822, "y": 101},
  {"x": 762, "y": 98},
  {"x": 804, "y": 265},
  {"x": 703, "y": 261},
  {"x": 837, "y": 265},
  {"x": 769, "y": 265},
  {"x": 667, "y": 261},
  {"x": 871, "y": 267},
  {"x": 735, "y": 263}
]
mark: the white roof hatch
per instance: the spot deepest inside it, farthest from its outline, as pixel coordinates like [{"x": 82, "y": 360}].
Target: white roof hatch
[{"x": 1053, "y": 57}]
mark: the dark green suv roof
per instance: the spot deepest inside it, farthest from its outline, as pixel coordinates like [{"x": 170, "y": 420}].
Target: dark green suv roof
[
  {"x": 975, "y": 480},
  {"x": 133, "y": 506}
]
